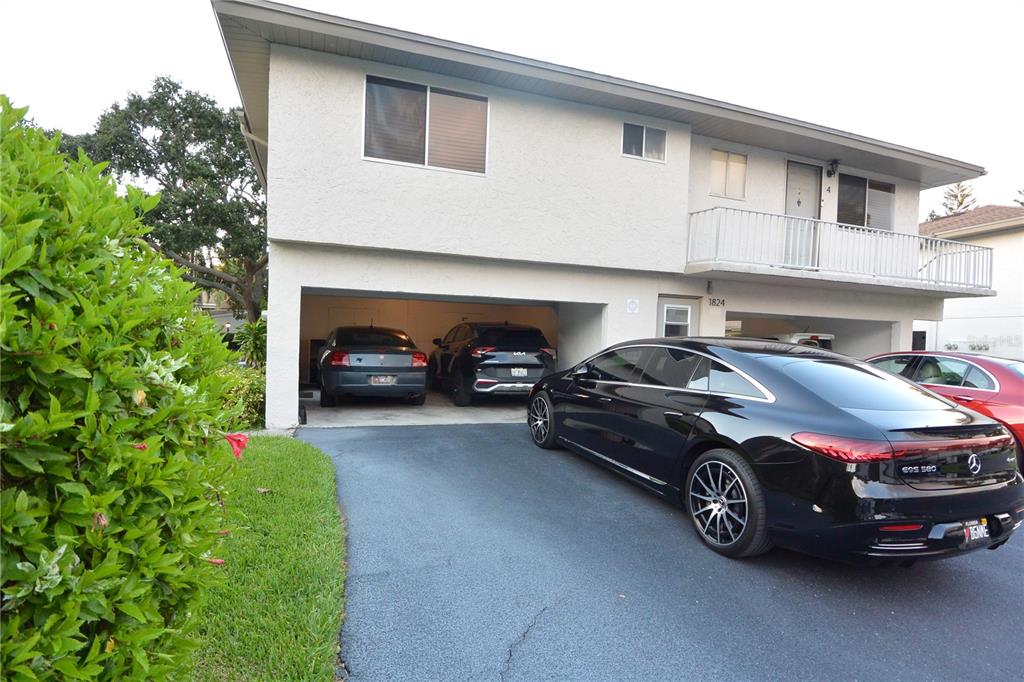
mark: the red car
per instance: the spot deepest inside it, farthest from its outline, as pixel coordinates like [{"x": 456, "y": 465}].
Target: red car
[{"x": 991, "y": 386}]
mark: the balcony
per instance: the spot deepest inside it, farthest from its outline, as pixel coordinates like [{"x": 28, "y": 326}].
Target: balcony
[{"x": 736, "y": 244}]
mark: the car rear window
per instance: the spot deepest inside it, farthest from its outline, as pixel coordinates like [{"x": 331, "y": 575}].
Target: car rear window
[
  {"x": 1017, "y": 367},
  {"x": 501, "y": 336},
  {"x": 860, "y": 386},
  {"x": 372, "y": 338}
]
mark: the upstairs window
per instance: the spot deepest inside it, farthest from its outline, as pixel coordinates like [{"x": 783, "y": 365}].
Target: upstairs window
[
  {"x": 868, "y": 203},
  {"x": 728, "y": 174},
  {"x": 425, "y": 126},
  {"x": 643, "y": 142}
]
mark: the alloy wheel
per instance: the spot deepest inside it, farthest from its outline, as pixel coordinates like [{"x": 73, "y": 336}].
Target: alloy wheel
[
  {"x": 718, "y": 503},
  {"x": 540, "y": 419}
]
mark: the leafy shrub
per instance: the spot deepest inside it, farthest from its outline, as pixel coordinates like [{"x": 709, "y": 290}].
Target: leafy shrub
[
  {"x": 252, "y": 342},
  {"x": 111, "y": 417},
  {"x": 246, "y": 394}
]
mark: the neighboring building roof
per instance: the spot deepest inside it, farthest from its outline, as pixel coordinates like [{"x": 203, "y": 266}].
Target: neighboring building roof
[
  {"x": 249, "y": 27},
  {"x": 982, "y": 219}
]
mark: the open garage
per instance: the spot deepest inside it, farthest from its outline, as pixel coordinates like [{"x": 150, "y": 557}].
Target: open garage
[
  {"x": 857, "y": 338},
  {"x": 424, "y": 319}
]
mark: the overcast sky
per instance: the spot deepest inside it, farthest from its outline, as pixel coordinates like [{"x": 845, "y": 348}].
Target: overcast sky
[{"x": 945, "y": 77}]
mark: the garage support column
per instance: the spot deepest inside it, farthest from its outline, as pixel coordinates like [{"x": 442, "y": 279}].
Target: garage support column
[
  {"x": 902, "y": 335},
  {"x": 283, "y": 318},
  {"x": 712, "y": 317}
]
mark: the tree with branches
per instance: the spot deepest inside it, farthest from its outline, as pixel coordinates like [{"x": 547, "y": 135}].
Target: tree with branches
[
  {"x": 211, "y": 219},
  {"x": 956, "y": 199}
]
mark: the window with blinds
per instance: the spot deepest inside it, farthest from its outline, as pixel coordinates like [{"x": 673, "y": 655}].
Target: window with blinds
[
  {"x": 869, "y": 203},
  {"x": 421, "y": 125},
  {"x": 728, "y": 174}
]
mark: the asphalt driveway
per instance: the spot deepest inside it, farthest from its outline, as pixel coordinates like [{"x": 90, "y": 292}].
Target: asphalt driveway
[{"x": 475, "y": 556}]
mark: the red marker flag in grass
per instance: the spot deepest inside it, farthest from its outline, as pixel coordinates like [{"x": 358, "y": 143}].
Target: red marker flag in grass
[{"x": 237, "y": 441}]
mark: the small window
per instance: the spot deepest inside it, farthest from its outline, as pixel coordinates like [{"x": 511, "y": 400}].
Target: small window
[
  {"x": 978, "y": 379},
  {"x": 897, "y": 364},
  {"x": 941, "y": 371},
  {"x": 670, "y": 367},
  {"x": 619, "y": 365},
  {"x": 728, "y": 174},
  {"x": 401, "y": 117},
  {"x": 677, "y": 320},
  {"x": 866, "y": 203},
  {"x": 643, "y": 141}
]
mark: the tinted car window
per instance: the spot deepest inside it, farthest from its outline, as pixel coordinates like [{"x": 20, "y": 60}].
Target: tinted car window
[
  {"x": 859, "y": 386},
  {"x": 1017, "y": 367},
  {"x": 450, "y": 336},
  {"x": 510, "y": 336},
  {"x": 669, "y": 367},
  {"x": 722, "y": 379},
  {"x": 619, "y": 365},
  {"x": 372, "y": 338},
  {"x": 977, "y": 379},
  {"x": 941, "y": 371},
  {"x": 897, "y": 364}
]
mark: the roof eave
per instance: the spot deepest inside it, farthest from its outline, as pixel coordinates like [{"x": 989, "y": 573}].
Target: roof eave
[{"x": 936, "y": 170}]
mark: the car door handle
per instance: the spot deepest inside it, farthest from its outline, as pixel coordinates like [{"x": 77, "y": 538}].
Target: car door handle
[
  {"x": 605, "y": 400},
  {"x": 963, "y": 398}
]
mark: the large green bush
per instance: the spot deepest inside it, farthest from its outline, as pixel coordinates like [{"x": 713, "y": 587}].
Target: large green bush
[
  {"x": 112, "y": 418},
  {"x": 247, "y": 394}
]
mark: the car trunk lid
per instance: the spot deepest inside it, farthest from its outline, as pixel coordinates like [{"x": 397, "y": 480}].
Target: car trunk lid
[
  {"x": 383, "y": 357},
  {"x": 945, "y": 457}
]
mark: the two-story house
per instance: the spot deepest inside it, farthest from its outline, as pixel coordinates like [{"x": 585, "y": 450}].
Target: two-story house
[{"x": 416, "y": 182}]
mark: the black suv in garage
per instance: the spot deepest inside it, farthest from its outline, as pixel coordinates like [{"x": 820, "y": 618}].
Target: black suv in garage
[{"x": 482, "y": 358}]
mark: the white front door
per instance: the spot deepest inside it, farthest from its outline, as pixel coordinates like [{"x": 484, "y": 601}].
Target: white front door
[{"x": 803, "y": 205}]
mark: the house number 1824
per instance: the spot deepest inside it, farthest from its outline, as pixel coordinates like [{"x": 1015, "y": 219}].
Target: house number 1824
[{"x": 716, "y": 302}]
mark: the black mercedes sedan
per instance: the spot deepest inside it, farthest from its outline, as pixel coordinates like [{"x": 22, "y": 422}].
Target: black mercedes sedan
[
  {"x": 371, "y": 361},
  {"x": 769, "y": 443}
]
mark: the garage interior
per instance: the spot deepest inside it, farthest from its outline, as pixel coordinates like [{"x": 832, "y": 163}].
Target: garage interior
[
  {"x": 570, "y": 328},
  {"x": 856, "y": 338}
]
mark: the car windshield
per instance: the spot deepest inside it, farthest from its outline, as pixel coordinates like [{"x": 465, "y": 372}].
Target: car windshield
[
  {"x": 860, "y": 386},
  {"x": 372, "y": 337},
  {"x": 511, "y": 336}
]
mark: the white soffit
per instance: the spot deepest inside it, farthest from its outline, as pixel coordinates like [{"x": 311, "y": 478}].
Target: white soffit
[{"x": 248, "y": 27}]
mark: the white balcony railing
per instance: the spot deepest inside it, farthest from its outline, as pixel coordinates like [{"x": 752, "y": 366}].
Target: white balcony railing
[{"x": 730, "y": 235}]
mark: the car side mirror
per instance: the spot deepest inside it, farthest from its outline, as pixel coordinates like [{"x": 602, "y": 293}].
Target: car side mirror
[
  {"x": 581, "y": 372},
  {"x": 437, "y": 342}
]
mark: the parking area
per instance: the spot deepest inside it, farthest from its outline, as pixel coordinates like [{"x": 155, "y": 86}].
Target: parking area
[
  {"x": 438, "y": 410},
  {"x": 474, "y": 555}
]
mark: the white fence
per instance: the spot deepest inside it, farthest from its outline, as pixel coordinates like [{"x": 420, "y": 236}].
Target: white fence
[{"x": 730, "y": 235}]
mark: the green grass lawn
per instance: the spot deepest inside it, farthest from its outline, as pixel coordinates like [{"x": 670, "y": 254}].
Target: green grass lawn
[{"x": 278, "y": 613}]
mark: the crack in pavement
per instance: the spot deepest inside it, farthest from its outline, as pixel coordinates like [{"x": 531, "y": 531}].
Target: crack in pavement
[{"x": 522, "y": 638}]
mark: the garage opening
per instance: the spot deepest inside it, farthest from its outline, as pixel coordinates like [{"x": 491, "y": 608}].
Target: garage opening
[
  {"x": 856, "y": 338},
  {"x": 425, "y": 319}
]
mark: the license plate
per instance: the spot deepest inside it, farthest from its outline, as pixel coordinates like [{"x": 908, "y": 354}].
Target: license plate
[
  {"x": 976, "y": 532},
  {"x": 383, "y": 380},
  {"x": 519, "y": 371}
]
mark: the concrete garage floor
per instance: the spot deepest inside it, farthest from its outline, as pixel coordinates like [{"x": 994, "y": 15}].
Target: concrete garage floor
[
  {"x": 438, "y": 409},
  {"x": 474, "y": 555}
]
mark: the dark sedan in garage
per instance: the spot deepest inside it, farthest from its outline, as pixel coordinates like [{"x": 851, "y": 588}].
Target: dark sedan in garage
[
  {"x": 768, "y": 443},
  {"x": 371, "y": 361}
]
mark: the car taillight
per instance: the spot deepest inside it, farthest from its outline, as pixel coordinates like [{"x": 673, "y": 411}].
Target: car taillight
[
  {"x": 481, "y": 351},
  {"x": 549, "y": 351},
  {"x": 419, "y": 359},
  {"x": 857, "y": 450},
  {"x": 902, "y": 527},
  {"x": 845, "y": 449},
  {"x": 339, "y": 358},
  {"x": 917, "y": 448}
]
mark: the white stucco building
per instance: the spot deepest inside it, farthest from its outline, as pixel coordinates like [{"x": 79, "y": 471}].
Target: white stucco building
[
  {"x": 417, "y": 182},
  {"x": 993, "y": 325}
]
